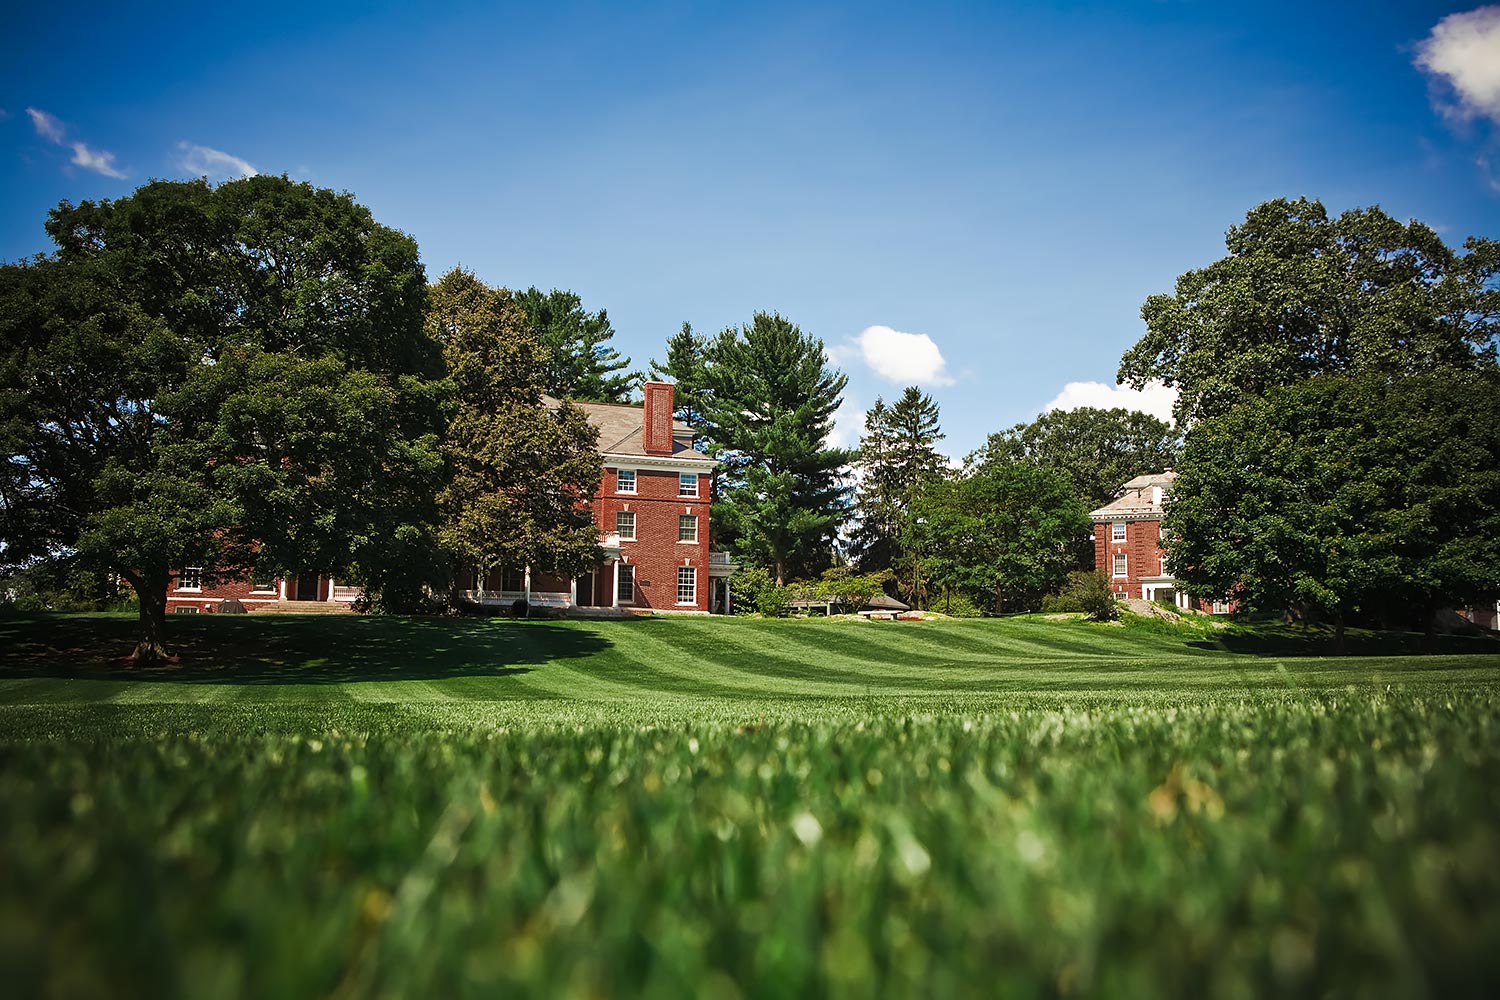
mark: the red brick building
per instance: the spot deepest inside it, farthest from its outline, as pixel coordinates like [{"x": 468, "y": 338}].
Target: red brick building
[
  {"x": 1127, "y": 545},
  {"x": 652, "y": 511}
]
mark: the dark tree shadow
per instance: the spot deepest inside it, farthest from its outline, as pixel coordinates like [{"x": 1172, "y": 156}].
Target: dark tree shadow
[
  {"x": 1317, "y": 640},
  {"x": 289, "y": 649}
]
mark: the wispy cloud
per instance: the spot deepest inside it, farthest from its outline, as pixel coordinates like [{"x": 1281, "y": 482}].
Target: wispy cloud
[
  {"x": 47, "y": 126},
  {"x": 1156, "y": 399},
  {"x": 1463, "y": 51},
  {"x": 98, "y": 160},
  {"x": 903, "y": 358},
  {"x": 215, "y": 164}
]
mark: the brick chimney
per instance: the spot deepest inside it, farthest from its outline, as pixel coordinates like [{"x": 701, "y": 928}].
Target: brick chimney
[{"x": 657, "y": 437}]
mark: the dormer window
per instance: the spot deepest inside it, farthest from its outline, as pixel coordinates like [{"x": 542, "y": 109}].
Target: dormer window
[{"x": 625, "y": 481}]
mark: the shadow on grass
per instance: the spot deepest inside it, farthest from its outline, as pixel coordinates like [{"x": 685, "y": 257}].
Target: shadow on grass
[
  {"x": 288, "y": 649},
  {"x": 1317, "y": 640}
]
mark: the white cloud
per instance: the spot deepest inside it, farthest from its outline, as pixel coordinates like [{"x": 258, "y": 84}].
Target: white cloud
[
  {"x": 848, "y": 424},
  {"x": 903, "y": 358},
  {"x": 47, "y": 126},
  {"x": 1464, "y": 50},
  {"x": 215, "y": 164},
  {"x": 1156, "y": 399},
  {"x": 96, "y": 160}
]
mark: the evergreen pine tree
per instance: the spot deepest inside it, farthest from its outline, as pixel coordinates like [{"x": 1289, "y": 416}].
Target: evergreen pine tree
[
  {"x": 770, "y": 412},
  {"x": 687, "y": 366},
  {"x": 580, "y": 362},
  {"x": 898, "y": 458}
]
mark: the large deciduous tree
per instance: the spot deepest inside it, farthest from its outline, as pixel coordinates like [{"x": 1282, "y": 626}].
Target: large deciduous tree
[
  {"x": 1001, "y": 535},
  {"x": 1300, "y": 294},
  {"x": 580, "y": 362},
  {"x": 1343, "y": 495},
  {"x": 522, "y": 475},
  {"x": 770, "y": 412},
  {"x": 1099, "y": 450},
  {"x": 1337, "y": 379},
  {"x": 219, "y": 378}
]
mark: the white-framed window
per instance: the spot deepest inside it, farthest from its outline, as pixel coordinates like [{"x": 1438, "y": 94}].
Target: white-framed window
[
  {"x": 687, "y": 484},
  {"x": 513, "y": 579},
  {"x": 1120, "y": 564},
  {"x": 687, "y": 585},
  {"x": 625, "y": 525},
  {"x": 687, "y": 527},
  {"x": 1117, "y": 531},
  {"x": 1221, "y": 607},
  {"x": 625, "y": 481},
  {"x": 185, "y": 609},
  {"x": 627, "y": 583},
  {"x": 190, "y": 578},
  {"x": 262, "y": 581}
]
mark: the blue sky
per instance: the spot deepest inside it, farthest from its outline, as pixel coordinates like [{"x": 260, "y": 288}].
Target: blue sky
[{"x": 1009, "y": 183}]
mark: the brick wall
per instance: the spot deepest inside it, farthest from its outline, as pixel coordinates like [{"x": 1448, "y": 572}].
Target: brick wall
[
  {"x": 1142, "y": 555},
  {"x": 207, "y": 599},
  {"x": 656, "y": 553}
]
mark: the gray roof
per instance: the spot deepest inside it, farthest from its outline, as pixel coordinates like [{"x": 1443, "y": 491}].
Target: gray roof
[
  {"x": 1137, "y": 498},
  {"x": 622, "y": 428}
]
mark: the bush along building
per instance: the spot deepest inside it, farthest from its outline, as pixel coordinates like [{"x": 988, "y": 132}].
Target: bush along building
[
  {"x": 652, "y": 512},
  {"x": 1127, "y": 545}
]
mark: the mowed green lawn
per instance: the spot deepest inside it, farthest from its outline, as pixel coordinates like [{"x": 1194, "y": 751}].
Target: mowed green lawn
[{"x": 681, "y": 807}]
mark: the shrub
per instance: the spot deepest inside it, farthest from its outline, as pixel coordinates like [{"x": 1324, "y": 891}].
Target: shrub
[
  {"x": 956, "y": 606},
  {"x": 1086, "y": 591}
]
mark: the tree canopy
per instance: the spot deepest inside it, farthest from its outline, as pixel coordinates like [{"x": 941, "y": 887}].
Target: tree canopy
[
  {"x": 1000, "y": 535},
  {"x": 1345, "y": 494},
  {"x": 1300, "y": 294},
  {"x": 580, "y": 362},
  {"x": 686, "y": 366},
  {"x": 219, "y": 378},
  {"x": 770, "y": 411},
  {"x": 521, "y": 476},
  {"x": 1099, "y": 450}
]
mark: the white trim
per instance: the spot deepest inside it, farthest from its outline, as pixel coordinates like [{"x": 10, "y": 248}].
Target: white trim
[
  {"x": 620, "y": 534},
  {"x": 635, "y": 485},
  {"x": 1114, "y": 570},
  {"x": 680, "y": 477},
  {"x": 1119, "y": 535},
  {"x": 657, "y": 463}
]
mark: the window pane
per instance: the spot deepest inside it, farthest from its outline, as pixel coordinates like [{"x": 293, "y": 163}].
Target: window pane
[
  {"x": 513, "y": 579},
  {"x": 627, "y": 583},
  {"x": 263, "y": 581},
  {"x": 687, "y": 585},
  {"x": 1119, "y": 564},
  {"x": 687, "y": 484},
  {"x": 687, "y": 527},
  {"x": 1118, "y": 531},
  {"x": 625, "y": 524},
  {"x": 625, "y": 481},
  {"x": 190, "y": 578}
]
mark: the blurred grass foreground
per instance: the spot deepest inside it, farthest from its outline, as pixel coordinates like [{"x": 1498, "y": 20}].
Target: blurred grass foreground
[{"x": 1027, "y": 807}]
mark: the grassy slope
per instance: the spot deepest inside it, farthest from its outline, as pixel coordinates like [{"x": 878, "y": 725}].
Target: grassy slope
[{"x": 675, "y": 807}]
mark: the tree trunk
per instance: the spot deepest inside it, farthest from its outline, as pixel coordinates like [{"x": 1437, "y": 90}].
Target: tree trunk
[
  {"x": 151, "y": 595},
  {"x": 781, "y": 572}
]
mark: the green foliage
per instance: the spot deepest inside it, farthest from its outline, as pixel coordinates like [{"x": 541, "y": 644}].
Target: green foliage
[
  {"x": 755, "y": 591},
  {"x": 1099, "y": 450},
  {"x": 1087, "y": 591},
  {"x": 1002, "y": 535},
  {"x": 796, "y": 808},
  {"x": 580, "y": 363},
  {"x": 1345, "y": 494},
  {"x": 687, "y": 367},
  {"x": 199, "y": 373},
  {"x": 897, "y": 457},
  {"x": 521, "y": 476},
  {"x": 770, "y": 412},
  {"x": 1301, "y": 295},
  {"x": 956, "y": 606}
]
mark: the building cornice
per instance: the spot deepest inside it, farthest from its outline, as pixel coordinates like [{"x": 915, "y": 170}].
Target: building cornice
[{"x": 657, "y": 463}]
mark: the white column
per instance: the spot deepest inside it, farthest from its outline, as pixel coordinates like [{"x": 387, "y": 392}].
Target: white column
[
  {"x": 573, "y": 592},
  {"x": 616, "y": 594},
  {"x": 526, "y": 580},
  {"x": 283, "y": 588}
]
